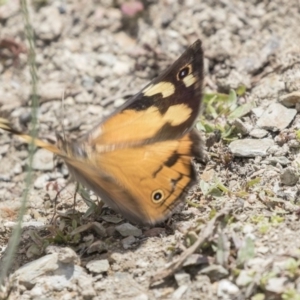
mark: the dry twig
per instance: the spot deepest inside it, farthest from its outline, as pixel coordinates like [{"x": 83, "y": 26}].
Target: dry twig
[{"x": 202, "y": 238}]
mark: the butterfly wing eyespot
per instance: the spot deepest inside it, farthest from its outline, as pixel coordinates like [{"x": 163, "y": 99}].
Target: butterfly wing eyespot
[
  {"x": 157, "y": 196},
  {"x": 184, "y": 72}
]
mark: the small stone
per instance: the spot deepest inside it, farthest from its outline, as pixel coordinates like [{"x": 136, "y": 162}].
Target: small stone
[
  {"x": 50, "y": 25},
  {"x": 214, "y": 271},
  {"x": 86, "y": 287},
  {"x": 156, "y": 231},
  {"x": 66, "y": 255},
  {"x": 248, "y": 228},
  {"x": 242, "y": 127},
  {"x": 98, "y": 266},
  {"x": 258, "y": 111},
  {"x": 98, "y": 246},
  {"x": 55, "y": 282},
  {"x": 182, "y": 278},
  {"x": 4, "y": 149},
  {"x": 250, "y": 147},
  {"x": 289, "y": 177},
  {"x": 41, "y": 181},
  {"x": 178, "y": 294},
  {"x": 141, "y": 297},
  {"x": 258, "y": 133},
  {"x": 30, "y": 272},
  {"x": 127, "y": 229},
  {"x": 226, "y": 288},
  {"x": 195, "y": 259},
  {"x": 262, "y": 249},
  {"x": 112, "y": 219},
  {"x": 276, "y": 285},
  {"x": 128, "y": 241},
  {"x": 43, "y": 160},
  {"x": 99, "y": 229},
  {"x": 38, "y": 292},
  {"x": 84, "y": 97},
  {"x": 17, "y": 169},
  {"x": 291, "y": 99},
  {"x": 106, "y": 59},
  {"x": 282, "y": 160},
  {"x": 121, "y": 68},
  {"x": 244, "y": 278},
  {"x": 88, "y": 83},
  {"x": 95, "y": 110},
  {"x": 276, "y": 117}
]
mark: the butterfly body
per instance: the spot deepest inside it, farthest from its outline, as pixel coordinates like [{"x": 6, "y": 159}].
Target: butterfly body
[{"x": 138, "y": 160}]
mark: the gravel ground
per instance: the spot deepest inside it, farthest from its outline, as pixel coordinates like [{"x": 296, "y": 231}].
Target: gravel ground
[{"x": 95, "y": 55}]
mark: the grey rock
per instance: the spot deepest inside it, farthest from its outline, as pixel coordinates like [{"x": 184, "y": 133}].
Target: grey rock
[
  {"x": 282, "y": 160},
  {"x": 250, "y": 147},
  {"x": 269, "y": 87},
  {"x": 98, "y": 246},
  {"x": 121, "y": 68},
  {"x": 43, "y": 179},
  {"x": 226, "y": 288},
  {"x": 258, "y": 133},
  {"x": 43, "y": 160},
  {"x": 127, "y": 229},
  {"x": 39, "y": 291},
  {"x": 50, "y": 27},
  {"x": 17, "y": 169},
  {"x": 178, "y": 294},
  {"x": 276, "y": 285},
  {"x": 195, "y": 259},
  {"x": 32, "y": 223},
  {"x": 276, "y": 117},
  {"x": 99, "y": 229},
  {"x": 291, "y": 99},
  {"x": 40, "y": 182},
  {"x": 244, "y": 278},
  {"x": 141, "y": 297},
  {"x": 98, "y": 266},
  {"x": 242, "y": 127},
  {"x": 215, "y": 271},
  {"x": 258, "y": 111},
  {"x": 128, "y": 241},
  {"x": 289, "y": 176},
  {"x": 112, "y": 219},
  {"x": 182, "y": 278},
  {"x": 4, "y": 148},
  {"x": 66, "y": 255},
  {"x": 84, "y": 97},
  {"x": 86, "y": 287},
  {"x": 37, "y": 270},
  {"x": 88, "y": 83},
  {"x": 54, "y": 282},
  {"x": 30, "y": 272},
  {"x": 106, "y": 59}
]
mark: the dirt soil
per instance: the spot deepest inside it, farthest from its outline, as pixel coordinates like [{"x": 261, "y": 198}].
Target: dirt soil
[{"x": 95, "y": 55}]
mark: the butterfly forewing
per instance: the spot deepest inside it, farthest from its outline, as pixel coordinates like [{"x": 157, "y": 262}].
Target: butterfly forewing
[{"x": 165, "y": 109}]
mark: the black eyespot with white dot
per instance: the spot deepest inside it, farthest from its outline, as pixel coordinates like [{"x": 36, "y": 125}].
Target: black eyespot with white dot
[
  {"x": 184, "y": 72},
  {"x": 157, "y": 196}
]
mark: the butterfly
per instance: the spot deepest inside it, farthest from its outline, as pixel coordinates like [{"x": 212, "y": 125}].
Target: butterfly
[{"x": 139, "y": 159}]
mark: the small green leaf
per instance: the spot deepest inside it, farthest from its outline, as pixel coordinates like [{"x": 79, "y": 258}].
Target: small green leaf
[
  {"x": 241, "y": 111},
  {"x": 246, "y": 252}
]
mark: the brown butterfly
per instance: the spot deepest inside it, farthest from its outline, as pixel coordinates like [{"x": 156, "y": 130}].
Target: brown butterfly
[{"x": 138, "y": 160}]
